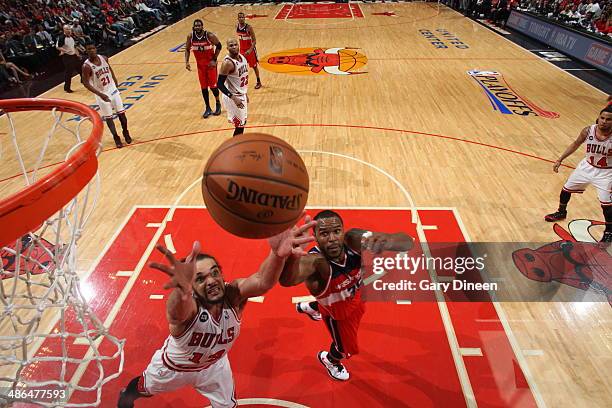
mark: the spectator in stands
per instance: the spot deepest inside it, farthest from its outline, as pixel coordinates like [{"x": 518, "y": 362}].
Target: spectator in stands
[
  {"x": 140, "y": 5},
  {"x": 10, "y": 67}
]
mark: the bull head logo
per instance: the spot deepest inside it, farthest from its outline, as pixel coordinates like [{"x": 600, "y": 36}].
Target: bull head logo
[{"x": 576, "y": 260}]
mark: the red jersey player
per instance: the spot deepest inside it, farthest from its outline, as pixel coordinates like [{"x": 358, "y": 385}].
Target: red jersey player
[
  {"x": 206, "y": 48},
  {"x": 332, "y": 273},
  {"x": 246, "y": 35}
]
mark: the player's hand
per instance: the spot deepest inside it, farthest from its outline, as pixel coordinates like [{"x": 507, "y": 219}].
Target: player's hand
[
  {"x": 181, "y": 273},
  {"x": 187, "y": 66},
  {"x": 212, "y": 63},
  {"x": 237, "y": 101},
  {"x": 294, "y": 240},
  {"x": 247, "y": 52},
  {"x": 374, "y": 242},
  {"x": 104, "y": 97},
  {"x": 556, "y": 166}
]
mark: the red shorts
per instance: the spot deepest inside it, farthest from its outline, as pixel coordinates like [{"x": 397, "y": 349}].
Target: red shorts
[
  {"x": 251, "y": 58},
  {"x": 207, "y": 75},
  {"x": 344, "y": 332}
]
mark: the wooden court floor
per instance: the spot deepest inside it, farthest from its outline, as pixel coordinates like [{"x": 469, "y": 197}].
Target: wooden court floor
[{"x": 411, "y": 129}]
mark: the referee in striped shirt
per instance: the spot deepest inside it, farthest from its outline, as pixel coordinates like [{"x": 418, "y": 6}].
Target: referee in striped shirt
[{"x": 67, "y": 47}]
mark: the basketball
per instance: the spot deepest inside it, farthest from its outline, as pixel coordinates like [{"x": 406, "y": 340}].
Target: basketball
[{"x": 255, "y": 185}]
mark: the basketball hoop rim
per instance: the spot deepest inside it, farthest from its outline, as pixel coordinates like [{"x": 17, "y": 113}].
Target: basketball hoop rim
[{"x": 25, "y": 210}]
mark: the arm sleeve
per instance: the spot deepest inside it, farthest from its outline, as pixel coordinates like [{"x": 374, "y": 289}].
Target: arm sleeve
[{"x": 221, "y": 86}]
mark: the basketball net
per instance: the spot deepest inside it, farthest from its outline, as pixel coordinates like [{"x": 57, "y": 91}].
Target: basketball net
[{"x": 40, "y": 290}]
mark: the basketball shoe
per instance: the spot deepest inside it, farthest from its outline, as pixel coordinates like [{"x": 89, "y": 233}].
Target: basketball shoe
[
  {"x": 556, "y": 216},
  {"x": 335, "y": 371},
  {"x": 217, "y": 109},
  {"x": 304, "y": 307},
  {"x": 207, "y": 113},
  {"x": 127, "y": 137}
]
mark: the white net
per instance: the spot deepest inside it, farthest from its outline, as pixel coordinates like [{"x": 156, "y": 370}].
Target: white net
[{"x": 52, "y": 346}]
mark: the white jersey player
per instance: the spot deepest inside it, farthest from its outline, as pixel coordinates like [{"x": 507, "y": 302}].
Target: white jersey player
[
  {"x": 595, "y": 169},
  {"x": 233, "y": 83},
  {"x": 204, "y": 315},
  {"x": 99, "y": 78}
]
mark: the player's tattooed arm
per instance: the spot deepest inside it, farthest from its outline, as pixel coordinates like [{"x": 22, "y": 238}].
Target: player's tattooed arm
[
  {"x": 358, "y": 239},
  {"x": 571, "y": 148},
  {"x": 188, "y": 52},
  {"x": 181, "y": 306},
  {"x": 213, "y": 39},
  {"x": 253, "y": 40}
]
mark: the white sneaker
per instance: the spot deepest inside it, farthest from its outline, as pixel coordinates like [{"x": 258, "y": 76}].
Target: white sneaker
[
  {"x": 335, "y": 371},
  {"x": 304, "y": 307}
]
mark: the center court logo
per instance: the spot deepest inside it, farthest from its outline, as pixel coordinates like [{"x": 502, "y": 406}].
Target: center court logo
[
  {"x": 504, "y": 99},
  {"x": 315, "y": 61}
]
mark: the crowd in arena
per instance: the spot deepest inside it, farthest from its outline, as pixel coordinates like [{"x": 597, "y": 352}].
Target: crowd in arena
[
  {"x": 594, "y": 16},
  {"x": 30, "y": 29}
]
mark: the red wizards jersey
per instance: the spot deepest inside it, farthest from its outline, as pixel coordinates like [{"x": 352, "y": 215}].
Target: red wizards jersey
[
  {"x": 203, "y": 49},
  {"x": 341, "y": 296},
  {"x": 246, "y": 41}
]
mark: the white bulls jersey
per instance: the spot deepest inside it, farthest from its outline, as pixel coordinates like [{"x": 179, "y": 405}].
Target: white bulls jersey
[
  {"x": 598, "y": 152},
  {"x": 102, "y": 78},
  {"x": 238, "y": 80},
  {"x": 204, "y": 342}
]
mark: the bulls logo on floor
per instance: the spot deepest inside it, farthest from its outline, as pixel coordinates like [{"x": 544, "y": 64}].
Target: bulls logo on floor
[
  {"x": 315, "y": 61},
  {"x": 575, "y": 260}
]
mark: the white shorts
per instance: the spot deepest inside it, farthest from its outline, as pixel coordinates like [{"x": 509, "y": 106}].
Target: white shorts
[
  {"x": 235, "y": 115},
  {"x": 215, "y": 382},
  {"x": 586, "y": 174},
  {"x": 106, "y": 108}
]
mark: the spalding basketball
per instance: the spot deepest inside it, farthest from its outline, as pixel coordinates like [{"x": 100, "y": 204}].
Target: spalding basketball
[{"x": 255, "y": 185}]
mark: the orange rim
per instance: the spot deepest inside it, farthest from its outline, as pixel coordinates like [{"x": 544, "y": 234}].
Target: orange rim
[{"x": 25, "y": 210}]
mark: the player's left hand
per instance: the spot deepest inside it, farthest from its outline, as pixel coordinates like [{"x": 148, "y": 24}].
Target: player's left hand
[
  {"x": 293, "y": 240},
  {"x": 212, "y": 63},
  {"x": 376, "y": 242},
  {"x": 247, "y": 52}
]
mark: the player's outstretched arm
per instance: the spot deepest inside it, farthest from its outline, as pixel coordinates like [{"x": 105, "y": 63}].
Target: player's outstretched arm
[
  {"x": 282, "y": 246},
  {"x": 359, "y": 239},
  {"x": 571, "y": 148},
  {"x": 181, "y": 306}
]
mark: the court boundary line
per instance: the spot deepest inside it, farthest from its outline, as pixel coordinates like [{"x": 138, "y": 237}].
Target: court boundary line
[
  {"x": 503, "y": 319},
  {"x": 529, "y": 52}
]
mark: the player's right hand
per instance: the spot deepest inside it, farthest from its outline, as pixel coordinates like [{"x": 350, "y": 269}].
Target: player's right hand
[
  {"x": 105, "y": 98},
  {"x": 556, "y": 166},
  {"x": 181, "y": 273},
  {"x": 238, "y": 101},
  {"x": 188, "y": 67}
]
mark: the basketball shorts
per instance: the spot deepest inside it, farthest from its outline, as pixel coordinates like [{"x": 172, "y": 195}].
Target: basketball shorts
[
  {"x": 252, "y": 58},
  {"x": 344, "y": 332},
  {"x": 215, "y": 382},
  {"x": 235, "y": 115},
  {"x": 207, "y": 76},
  {"x": 586, "y": 174},
  {"x": 107, "y": 108}
]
